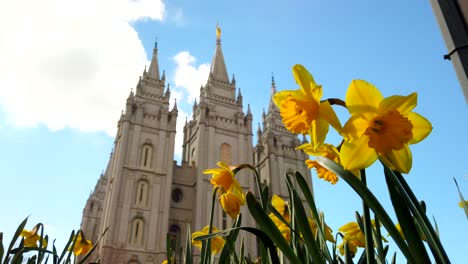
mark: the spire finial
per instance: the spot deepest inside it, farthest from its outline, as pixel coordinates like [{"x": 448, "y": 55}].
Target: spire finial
[
  {"x": 156, "y": 43},
  {"x": 218, "y": 33},
  {"x": 272, "y": 79}
]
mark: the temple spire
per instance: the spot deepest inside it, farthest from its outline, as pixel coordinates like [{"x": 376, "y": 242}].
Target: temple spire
[
  {"x": 153, "y": 71},
  {"x": 218, "y": 69}
]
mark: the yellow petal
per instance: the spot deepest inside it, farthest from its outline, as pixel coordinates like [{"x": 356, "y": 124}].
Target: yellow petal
[
  {"x": 362, "y": 97},
  {"x": 404, "y": 104},
  {"x": 421, "y": 127},
  {"x": 398, "y": 160},
  {"x": 217, "y": 243},
  {"x": 197, "y": 234},
  {"x": 280, "y": 96},
  {"x": 224, "y": 166},
  {"x": 278, "y": 203},
  {"x": 303, "y": 78},
  {"x": 318, "y": 132},
  {"x": 326, "y": 112},
  {"x": 354, "y": 127},
  {"x": 356, "y": 154}
]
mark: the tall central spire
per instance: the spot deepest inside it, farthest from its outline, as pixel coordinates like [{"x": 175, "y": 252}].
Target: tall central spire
[
  {"x": 218, "y": 67},
  {"x": 153, "y": 71}
]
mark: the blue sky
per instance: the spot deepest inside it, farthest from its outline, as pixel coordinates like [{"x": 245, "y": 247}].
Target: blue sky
[{"x": 68, "y": 66}]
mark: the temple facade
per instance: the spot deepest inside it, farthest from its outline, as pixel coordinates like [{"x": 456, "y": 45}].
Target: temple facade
[{"x": 143, "y": 195}]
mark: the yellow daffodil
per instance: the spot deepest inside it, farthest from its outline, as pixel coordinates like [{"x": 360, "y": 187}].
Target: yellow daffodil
[
  {"x": 302, "y": 111},
  {"x": 82, "y": 245},
  {"x": 325, "y": 150},
  {"x": 32, "y": 237},
  {"x": 353, "y": 236},
  {"x": 282, "y": 207},
  {"x": 223, "y": 176},
  {"x": 461, "y": 203},
  {"x": 231, "y": 194},
  {"x": 380, "y": 128},
  {"x": 328, "y": 230},
  {"x": 166, "y": 262},
  {"x": 217, "y": 242}
]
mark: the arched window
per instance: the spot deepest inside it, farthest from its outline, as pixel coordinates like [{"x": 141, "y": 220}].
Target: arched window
[
  {"x": 174, "y": 232},
  {"x": 225, "y": 153},
  {"x": 146, "y": 156},
  {"x": 136, "y": 237},
  {"x": 141, "y": 197}
]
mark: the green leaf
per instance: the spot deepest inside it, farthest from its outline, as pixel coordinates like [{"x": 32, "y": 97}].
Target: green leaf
[
  {"x": 303, "y": 223},
  {"x": 462, "y": 200},
  {"x": 269, "y": 227},
  {"x": 230, "y": 242},
  {"x": 370, "y": 200},
  {"x": 2, "y": 249},
  {"x": 405, "y": 219},
  {"x": 188, "y": 246},
  {"x": 420, "y": 217},
  {"x": 315, "y": 215},
  {"x": 15, "y": 237},
  {"x": 263, "y": 236}
]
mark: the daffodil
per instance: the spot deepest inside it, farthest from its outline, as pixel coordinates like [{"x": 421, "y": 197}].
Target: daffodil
[
  {"x": 380, "y": 128},
  {"x": 302, "y": 111},
  {"x": 32, "y": 237},
  {"x": 282, "y": 207},
  {"x": 325, "y": 150},
  {"x": 353, "y": 236},
  {"x": 166, "y": 262},
  {"x": 217, "y": 242},
  {"x": 461, "y": 204},
  {"x": 328, "y": 230},
  {"x": 231, "y": 194},
  {"x": 82, "y": 245}
]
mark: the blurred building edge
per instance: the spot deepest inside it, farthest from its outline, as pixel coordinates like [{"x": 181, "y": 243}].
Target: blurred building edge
[{"x": 452, "y": 16}]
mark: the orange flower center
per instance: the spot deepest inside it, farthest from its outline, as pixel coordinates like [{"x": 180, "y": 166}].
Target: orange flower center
[
  {"x": 298, "y": 114},
  {"x": 389, "y": 131}
]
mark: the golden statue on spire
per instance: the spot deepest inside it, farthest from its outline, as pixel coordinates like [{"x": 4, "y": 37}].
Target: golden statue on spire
[{"x": 218, "y": 32}]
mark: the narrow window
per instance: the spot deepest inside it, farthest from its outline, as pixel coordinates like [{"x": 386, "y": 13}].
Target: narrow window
[
  {"x": 137, "y": 232},
  {"x": 141, "y": 193},
  {"x": 146, "y": 156},
  {"x": 225, "y": 153}
]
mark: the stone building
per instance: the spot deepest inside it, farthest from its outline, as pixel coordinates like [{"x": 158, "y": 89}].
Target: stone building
[{"x": 143, "y": 194}]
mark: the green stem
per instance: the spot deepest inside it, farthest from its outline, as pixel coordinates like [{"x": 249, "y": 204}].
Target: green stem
[
  {"x": 207, "y": 253},
  {"x": 257, "y": 178},
  {"x": 367, "y": 225}
]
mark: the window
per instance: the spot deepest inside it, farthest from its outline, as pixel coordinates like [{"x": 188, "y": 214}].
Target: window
[
  {"x": 146, "y": 156},
  {"x": 225, "y": 153},
  {"x": 136, "y": 237},
  {"x": 141, "y": 193},
  {"x": 177, "y": 195},
  {"x": 174, "y": 234}
]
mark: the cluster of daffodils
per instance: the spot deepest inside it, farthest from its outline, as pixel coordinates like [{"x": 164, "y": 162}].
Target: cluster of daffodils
[{"x": 378, "y": 128}]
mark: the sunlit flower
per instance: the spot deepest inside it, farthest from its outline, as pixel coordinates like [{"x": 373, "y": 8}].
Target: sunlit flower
[
  {"x": 32, "y": 237},
  {"x": 231, "y": 194},
  {"x": 328, "y": 230},
  {"x": 217, "y": 242},
  {"x": 353, "y": 236},
  {"x": 223, "y": 176},
  {"x": 282, "y": 207},
  {"x": 380, "y": 128},
  {"x": 82, "y": 245},
  {"x": 325, "y": 150},
  {"x": 166, "y": 262},
  {"x": 302, "y": 111}
]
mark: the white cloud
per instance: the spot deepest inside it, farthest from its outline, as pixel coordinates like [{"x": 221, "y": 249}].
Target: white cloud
[
  {"x": 70, "y": 63},
  {"x": 188, "y": 76}
]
